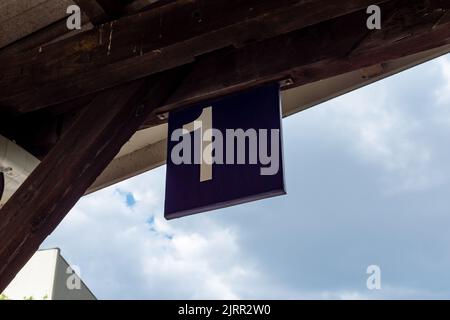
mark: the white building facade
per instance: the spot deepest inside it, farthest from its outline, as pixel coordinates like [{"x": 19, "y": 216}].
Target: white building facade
[{"x": 48, "y": 276}]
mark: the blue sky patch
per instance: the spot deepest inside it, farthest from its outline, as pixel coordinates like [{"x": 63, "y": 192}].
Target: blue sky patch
[{"x": 129, "y": 198}]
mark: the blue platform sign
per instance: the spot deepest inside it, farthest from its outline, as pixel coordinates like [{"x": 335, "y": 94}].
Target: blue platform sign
[{"x": 224, "y": 152}]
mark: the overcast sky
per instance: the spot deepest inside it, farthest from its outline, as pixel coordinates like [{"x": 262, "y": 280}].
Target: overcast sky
[{"x": 368, "y": 181}]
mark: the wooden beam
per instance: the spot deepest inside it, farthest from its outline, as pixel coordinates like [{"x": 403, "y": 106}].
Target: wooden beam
[
  {"x": 304, "y": 56},
  {"x": 101, "y": 11},
  {"x": 85, "y": 150},
  {"x": 312, "y": 54},
  {"x": 142, "y": 5},
  {"x": 150, "y": 42}
]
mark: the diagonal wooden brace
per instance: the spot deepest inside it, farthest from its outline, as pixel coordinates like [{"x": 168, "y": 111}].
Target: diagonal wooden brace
[{"x": 65, "y": 174}]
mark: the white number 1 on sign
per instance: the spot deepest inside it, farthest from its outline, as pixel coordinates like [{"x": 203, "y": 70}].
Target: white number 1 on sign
[{"x": 204, "y": 126}]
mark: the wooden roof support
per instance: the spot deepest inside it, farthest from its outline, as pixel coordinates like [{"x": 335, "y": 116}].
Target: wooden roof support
[
  {"x": 311, "y": 54},
  {"x": 72, "y": 166},
  {"x": 149, "y": 42},
  {"x": 304, "y": 56},
  {"x": 101, "y": 11}
]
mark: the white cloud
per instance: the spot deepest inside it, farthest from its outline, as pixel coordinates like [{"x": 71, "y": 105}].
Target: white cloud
[
  {"x": 443, "y": 92},
  {"x": 128, "y": 252},
  {"x": 133, "y": 252},
  {"x": 383, "y": 134}
]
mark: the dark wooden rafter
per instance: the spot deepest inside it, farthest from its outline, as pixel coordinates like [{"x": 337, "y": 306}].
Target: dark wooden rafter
[
  {"x": 84, "y": 151},
  {"x": 304, "y": 56},
  {"x": 143, "y": 5},
  {"x": 102, "y": 11},
  {"x": 318, "y": 52},
  {"x": 150, "y": 42},
  {"x": 311, "y": 54}
]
